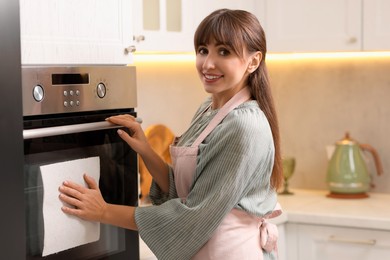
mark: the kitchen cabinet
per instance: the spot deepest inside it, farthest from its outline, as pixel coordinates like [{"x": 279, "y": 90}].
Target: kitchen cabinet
[
  {"x": 203, "y": 8},
  {"x": 282, "y": 247},
  {"x": 163, "y": 25},
  {"x": 169, "y": 25},
  {"x": 76, "y": 32},
  {"x": 330, "y": 242},
  {"x": 314, "y": 25},
  {"x": 375, "y": 27},
  {"x": 318, "y": 227}
]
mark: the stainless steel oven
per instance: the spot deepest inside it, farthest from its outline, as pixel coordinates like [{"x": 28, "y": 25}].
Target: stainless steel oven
[{"x": 63, "y": 115}]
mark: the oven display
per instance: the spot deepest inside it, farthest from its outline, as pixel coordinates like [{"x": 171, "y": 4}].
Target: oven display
[{"x": 70, "y": 79}]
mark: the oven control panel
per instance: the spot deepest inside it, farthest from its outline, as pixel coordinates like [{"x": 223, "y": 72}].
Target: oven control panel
[{"x": 51, "y": 90}]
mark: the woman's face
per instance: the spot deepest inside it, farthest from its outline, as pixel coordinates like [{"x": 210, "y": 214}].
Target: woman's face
[{"x": 222, "y": 72}]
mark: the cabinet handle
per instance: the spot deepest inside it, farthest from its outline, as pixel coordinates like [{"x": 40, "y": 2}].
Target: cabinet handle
[
  {"x": 352, "y": 241},
  {"x": 130, "y": 49},
  {"x": 352, "y": 40},
  {"x": 138, "y": 38}
]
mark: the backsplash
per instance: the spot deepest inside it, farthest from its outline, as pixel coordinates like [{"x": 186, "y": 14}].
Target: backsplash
[{"x": 318, "y": 100}]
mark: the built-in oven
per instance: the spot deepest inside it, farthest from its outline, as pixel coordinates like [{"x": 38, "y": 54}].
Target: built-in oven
[{"x": 64, "y": 111}]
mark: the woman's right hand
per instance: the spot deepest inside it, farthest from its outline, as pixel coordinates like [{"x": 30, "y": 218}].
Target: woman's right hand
[
  {"x": 138, "y": 142},
  {"x": 137, "y": 139}
]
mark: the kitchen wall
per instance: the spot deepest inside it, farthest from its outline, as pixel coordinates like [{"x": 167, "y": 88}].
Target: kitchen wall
[{"x": 318, "y": 100}]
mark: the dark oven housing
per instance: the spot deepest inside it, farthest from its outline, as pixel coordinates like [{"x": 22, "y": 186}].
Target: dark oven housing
[{"x": 77, "y": 133}]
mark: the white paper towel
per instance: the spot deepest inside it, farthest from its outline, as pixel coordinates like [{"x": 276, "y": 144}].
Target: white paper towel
[{"x": 62, "y": 231}]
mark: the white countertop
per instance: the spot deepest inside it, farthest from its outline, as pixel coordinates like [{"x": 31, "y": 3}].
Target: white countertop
[{"x": 313, "y": 207}]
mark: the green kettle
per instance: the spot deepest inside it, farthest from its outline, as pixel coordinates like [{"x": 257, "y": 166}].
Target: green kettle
[{"x": 347, "y": 174}]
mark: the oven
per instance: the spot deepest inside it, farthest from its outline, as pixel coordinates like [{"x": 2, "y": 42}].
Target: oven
[{"x": 64, "y": 111}]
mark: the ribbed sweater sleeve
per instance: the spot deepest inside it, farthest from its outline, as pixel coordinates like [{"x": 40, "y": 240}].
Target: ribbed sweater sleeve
[{"x": 233, "y": 171}]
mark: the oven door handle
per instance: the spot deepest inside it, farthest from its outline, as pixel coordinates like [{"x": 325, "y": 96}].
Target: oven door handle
[{"x": 67, "y": 129}]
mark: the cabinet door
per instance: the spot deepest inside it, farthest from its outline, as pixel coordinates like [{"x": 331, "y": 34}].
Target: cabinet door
[
  {"x": 282, "y": 253},
  {"x": 163, "y": 25},
  {"x": 376, "y": 21},
  {"x": 205, "y": 7},
  {"x": 169, "y": 25},
  {"x": 75, "y": 32},
  {"x": 328, "y": 243},
  {"x": 314, "y": 25}
]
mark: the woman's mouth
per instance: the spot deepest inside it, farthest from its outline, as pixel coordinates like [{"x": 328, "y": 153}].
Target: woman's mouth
[{"x": 212, "y": 77}]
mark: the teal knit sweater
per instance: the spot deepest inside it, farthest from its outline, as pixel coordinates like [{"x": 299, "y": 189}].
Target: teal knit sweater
[{"x": 233, "y": 170}]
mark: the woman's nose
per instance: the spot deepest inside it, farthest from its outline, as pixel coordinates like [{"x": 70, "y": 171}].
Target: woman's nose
[{"x": 208, "y": 62}]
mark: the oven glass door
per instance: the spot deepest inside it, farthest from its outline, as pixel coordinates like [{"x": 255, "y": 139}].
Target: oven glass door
[{"x": 118, "y": 183}]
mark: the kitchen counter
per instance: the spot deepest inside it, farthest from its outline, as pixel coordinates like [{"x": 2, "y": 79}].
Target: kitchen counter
[{"x": 313, "y": 207}]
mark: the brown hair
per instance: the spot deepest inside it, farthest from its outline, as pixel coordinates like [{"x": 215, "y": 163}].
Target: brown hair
[{"x": 236, "y": 29}]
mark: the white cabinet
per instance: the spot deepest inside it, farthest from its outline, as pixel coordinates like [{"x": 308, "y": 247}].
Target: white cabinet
[
  {"x": 205, "y": 7},
  {"x": 314, "y": 25},
  {"x": 76, "y": 32},
  {"x": 282, "y": 250},
  {"x": 102, "y": 32},
  {"x": 290, "y": 25},
  {"x": 307, "y": 242},
  {"x": 376, "y": 25},
  {"x": 169, "y": 25},
  {"x": 163, "y": 25}
]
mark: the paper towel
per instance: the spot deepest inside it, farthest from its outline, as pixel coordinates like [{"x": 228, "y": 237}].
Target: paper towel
[{"x": 62, "y": 231}]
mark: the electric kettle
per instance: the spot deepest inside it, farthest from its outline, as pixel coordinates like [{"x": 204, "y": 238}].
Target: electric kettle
[{"x": 347, "y": 174}]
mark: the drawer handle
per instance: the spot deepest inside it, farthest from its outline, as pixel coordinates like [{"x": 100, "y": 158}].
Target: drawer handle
[{"x": 352, "y": 241}]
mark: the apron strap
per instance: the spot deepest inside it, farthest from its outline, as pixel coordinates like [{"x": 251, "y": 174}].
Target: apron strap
[{"x": 239, "y": 98}]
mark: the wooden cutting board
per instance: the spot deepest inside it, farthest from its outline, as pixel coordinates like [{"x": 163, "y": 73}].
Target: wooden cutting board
[{"x": 159, "y": 137}]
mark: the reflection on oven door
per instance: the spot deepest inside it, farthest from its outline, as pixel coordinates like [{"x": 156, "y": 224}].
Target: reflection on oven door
[{"x": 118, "y": 183}]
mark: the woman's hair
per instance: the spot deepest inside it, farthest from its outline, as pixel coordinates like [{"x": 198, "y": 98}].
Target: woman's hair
[{"x": 238, "y": 29}]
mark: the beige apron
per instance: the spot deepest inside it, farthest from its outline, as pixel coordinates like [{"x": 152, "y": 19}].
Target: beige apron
[{"x": 240, "y": 235}]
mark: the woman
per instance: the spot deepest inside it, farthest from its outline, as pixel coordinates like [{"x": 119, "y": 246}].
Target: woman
[{"x": 226, "y": 167}]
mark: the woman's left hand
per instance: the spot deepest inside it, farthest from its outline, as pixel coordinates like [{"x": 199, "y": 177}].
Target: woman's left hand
[{"x": 87, "y": 202}]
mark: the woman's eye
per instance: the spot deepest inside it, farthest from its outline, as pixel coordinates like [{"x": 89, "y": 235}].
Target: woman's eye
[
  {"x": 224, "y": 52},
  {"x": 202, "y": 50}
]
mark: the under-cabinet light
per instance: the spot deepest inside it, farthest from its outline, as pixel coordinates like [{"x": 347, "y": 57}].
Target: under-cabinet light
[
  {"x": 327, "y": 55},
  {"x": 190, "y": 57},
  {"x": 164, "y": 57}
]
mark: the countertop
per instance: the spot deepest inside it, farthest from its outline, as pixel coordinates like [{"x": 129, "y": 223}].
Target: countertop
[{"x": 313, "y": 207}]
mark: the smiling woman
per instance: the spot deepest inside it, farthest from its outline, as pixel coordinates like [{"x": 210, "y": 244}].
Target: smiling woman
[
  {"x": 222, "y": 71},
  {"x": 243, "y": 36},
  {"x": 226, "y": 167}
]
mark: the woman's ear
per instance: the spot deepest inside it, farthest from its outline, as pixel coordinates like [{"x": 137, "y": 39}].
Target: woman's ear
[{"x": 254, "y": 61}]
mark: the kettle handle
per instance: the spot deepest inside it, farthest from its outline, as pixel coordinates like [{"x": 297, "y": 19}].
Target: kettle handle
[{"x": 378, "y": 164}]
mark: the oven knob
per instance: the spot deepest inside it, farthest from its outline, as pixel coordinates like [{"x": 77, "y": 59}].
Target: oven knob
[
  {"x": 101, "y": 90},
  {"x": 38, "y": 93}
]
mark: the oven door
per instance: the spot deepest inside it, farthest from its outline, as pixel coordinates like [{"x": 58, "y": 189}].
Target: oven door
[{"x": 118, "y": 183}]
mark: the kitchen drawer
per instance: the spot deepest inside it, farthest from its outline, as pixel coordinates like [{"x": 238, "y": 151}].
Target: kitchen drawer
[{"x": 306, "y": 242}]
